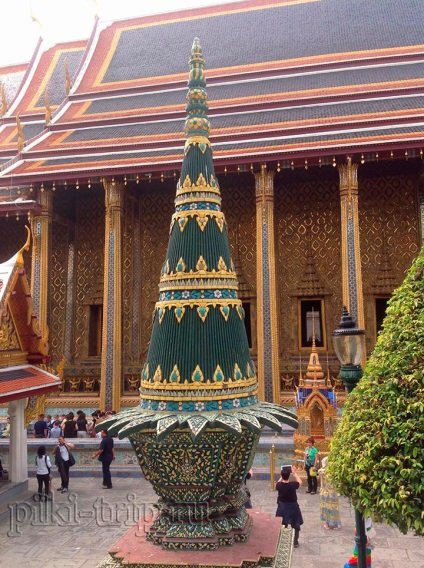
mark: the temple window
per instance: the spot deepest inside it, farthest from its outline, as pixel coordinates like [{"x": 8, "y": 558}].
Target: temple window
[
  {"x": 95, "y": 330},
  {"x": 311, "y": 320},
  {"x": 380, "y": 313}
]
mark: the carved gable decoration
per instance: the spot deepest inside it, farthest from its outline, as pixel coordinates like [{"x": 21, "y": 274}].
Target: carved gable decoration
[{"x": 20, "y": 336}]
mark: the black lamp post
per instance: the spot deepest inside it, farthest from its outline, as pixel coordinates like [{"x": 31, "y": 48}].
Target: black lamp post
[{"x": 349, "y": 344}]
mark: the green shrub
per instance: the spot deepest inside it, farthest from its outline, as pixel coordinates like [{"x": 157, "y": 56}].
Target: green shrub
[{"x": 377, "y": 453}]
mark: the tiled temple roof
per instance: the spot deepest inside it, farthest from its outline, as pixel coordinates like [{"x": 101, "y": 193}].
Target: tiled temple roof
[{"x": 288, "y": 78}]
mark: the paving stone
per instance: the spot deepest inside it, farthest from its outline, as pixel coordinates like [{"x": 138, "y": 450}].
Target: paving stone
[{"x": 87, "y": 521}]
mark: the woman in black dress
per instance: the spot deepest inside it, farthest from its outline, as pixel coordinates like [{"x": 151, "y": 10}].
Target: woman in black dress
[{"x": 287, "y": 505}]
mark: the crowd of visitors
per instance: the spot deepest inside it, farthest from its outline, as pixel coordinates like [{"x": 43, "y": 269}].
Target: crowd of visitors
[
  {"x": 62, "y": 427},
  {"x": 70, "y": 425}
]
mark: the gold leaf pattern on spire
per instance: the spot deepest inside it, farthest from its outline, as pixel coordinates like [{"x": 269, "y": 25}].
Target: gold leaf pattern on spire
[
  {"x": 220, "y": 222},
  {"x": 203, "y": 312},
  {"x": 225, "y": 311},
  {"x": 197, "y": 376},
  {"x": 182, "y": 222},
  {"x": 201, "y": 264},
  {"x": 181, "y": 266},
  {"x": 238, "y": 375},
  {"x": 157, "y": 377},
  {"x": 179, "y": 313},
  {"x": 222, "y": 265},
  {"x": 202, "y": 220},
  {"x": 175, "y": 376},
  {"x": 218, "y": 375}
]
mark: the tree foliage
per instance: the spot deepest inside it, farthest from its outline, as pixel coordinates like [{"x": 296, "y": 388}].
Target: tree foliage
[{"x": 377, "y": 453}]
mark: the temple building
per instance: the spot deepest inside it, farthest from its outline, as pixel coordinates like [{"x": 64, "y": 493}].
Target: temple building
[{"x": 317, "y": 113}]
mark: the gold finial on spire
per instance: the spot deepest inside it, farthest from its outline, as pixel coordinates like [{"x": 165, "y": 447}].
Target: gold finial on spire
[
  {"x": 4, "y": 105},
  {"x": 48, "y": 108},
  {"x": 21, "y": 139},
  {"x": 68, "y": 84}
]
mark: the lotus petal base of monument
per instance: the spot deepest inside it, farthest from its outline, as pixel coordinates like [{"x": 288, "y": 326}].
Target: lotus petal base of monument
[{"x": 268, "y": 546}]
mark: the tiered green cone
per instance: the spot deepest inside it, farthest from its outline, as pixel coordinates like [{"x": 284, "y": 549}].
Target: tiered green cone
[{"x": 198, "y": 370}]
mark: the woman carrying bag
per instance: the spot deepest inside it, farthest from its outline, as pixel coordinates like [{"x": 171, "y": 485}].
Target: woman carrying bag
[
  {"x": 43, "y": 465},
  {"x": 310, "y": 463},
  {"x": 64, "y": 460}
]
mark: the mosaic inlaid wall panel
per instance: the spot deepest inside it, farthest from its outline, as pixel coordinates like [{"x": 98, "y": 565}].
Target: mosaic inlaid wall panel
[
  {"x": 156, "y": 209},
  {"x": 58, "y": 279},
  {"x": 307, "y": 220},
  {"x": 238, "y": 204},
  {"x": 388, "y": 211},
  {"x": 390, "y": 237},
  {"x": 130, "y": 300},
  {"x": 90, "y": 236}
]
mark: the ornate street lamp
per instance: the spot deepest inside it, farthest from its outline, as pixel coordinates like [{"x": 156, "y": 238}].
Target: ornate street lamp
[{"x": 349, "y": 344}]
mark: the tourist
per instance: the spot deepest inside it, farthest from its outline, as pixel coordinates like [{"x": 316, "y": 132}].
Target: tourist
[
  {"x": 82, "y": 426},
  {"x": 40, "y": 427},
  {"x": 287, "y": 505},
  {"x": 56, "y": 430},
  {"x": 310, "y": 463},
  {"x": 69, "y": 426},
  {"x": 370, "y": 533},
  {"x": 43, "y": 465},
  {"x": 328, "y": 500},
  {"x": 63, "y": 462},
  {"x": 106, "y": 454},
  {"x": 92, "y": 425}
]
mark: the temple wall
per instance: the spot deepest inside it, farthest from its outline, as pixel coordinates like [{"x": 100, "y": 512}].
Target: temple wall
[
  {"x": 89, "y": 246},
  {"x": 58, "y": 286},
  {"x": 307, "y": 218},
  {"x": 156, "y": 209}
]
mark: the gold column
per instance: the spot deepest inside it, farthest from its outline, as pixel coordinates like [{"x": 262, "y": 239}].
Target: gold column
[
  {"x": 41, "y": 227},
  {"x": 267, "y": 313},
  {"x": 111, "y": 367},
  {"x": 353, "y": 297}
]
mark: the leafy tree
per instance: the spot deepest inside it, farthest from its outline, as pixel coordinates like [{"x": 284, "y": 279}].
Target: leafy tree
[{"x": 377, "y": 453}]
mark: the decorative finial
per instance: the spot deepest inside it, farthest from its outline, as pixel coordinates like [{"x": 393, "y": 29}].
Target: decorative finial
[
  {"x": 4, "y": 105},
  {"x": 197, "y": 124},
  {"x": 67, "y": 77},
  {"x": 21, "y": 139},
  {"x": 48, "y": 108}
]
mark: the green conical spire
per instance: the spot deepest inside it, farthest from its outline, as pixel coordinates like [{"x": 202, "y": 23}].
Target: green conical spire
[
  {"x": 198, "y": 368},
  {"x": 199, "y": 346}
]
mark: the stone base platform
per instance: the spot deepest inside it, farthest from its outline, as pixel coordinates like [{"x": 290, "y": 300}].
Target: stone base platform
[{"x": 269, "y": 546}]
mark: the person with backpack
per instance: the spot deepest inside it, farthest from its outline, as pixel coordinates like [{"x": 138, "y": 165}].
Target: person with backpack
[{"x": 43, "y": 465}]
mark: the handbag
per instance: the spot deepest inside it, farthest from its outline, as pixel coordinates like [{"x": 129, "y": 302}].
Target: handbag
[
  {"x": 313, "y": 472},
  {"x": 71, "y": 459}
]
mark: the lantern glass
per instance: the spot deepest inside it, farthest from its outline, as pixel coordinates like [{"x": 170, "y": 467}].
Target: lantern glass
[{"x": 349, "y": 347}]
